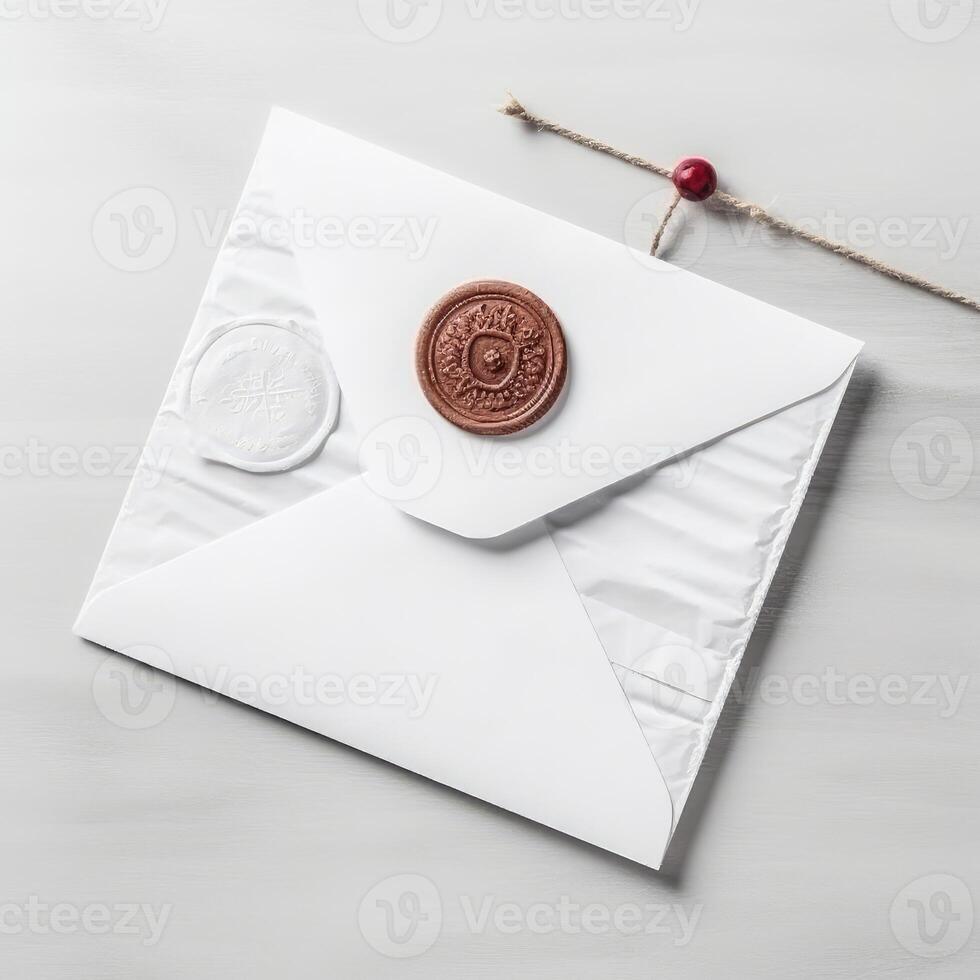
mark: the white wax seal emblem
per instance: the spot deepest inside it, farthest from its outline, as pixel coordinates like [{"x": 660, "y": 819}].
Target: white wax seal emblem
[{"x": 260, "y": 395}]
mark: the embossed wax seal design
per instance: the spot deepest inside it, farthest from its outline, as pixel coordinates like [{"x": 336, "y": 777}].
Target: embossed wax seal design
[
  {"x": 260, "y": 395},
  {"x": 491, "y": 357}
]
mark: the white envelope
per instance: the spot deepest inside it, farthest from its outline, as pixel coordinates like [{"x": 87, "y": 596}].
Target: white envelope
[{"x": 574, "y": 601}]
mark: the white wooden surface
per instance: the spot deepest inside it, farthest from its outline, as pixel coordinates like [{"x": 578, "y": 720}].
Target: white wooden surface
[{"x": 258, "y": 841}]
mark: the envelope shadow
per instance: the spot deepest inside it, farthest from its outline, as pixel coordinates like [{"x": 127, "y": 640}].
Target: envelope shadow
[{"x": 860, "y": 394}]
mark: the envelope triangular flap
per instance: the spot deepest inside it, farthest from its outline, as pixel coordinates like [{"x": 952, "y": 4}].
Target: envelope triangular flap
[
  {"x": 523, "y": 709},
  {"x": 660, "y": 360}
]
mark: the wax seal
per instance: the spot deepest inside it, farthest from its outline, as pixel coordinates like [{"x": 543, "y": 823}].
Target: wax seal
[
  {"x": 491, "y": 357},
  {"x": 260, "y": 395}
]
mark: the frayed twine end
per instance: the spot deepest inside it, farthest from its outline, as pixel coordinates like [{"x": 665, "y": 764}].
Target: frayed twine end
[{"x": 513, "y": 108}]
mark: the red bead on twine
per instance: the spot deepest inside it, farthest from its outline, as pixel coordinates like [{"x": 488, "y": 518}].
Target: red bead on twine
[{"x": 695, "y": 179}]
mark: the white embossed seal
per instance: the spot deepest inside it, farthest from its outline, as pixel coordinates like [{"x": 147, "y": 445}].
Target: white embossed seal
[{"x": 260, "y": 395}]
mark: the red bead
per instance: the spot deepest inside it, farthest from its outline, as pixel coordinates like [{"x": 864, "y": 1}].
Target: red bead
[{"x": 695, "y": 179}]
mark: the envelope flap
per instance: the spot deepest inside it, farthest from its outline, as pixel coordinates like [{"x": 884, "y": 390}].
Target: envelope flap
[
  {"x": 522, "y": 707},
  {"x": 660, "y": 361}
]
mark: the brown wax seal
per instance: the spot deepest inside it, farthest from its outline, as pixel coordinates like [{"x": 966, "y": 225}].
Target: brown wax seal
[{"x": 491, "y": 357}]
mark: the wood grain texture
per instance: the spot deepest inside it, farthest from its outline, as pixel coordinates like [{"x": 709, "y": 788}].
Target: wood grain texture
[{"x": 813, "y": 811}]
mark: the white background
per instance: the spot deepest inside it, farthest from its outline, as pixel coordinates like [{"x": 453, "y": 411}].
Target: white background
[{"x": 819, "y": 816}]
